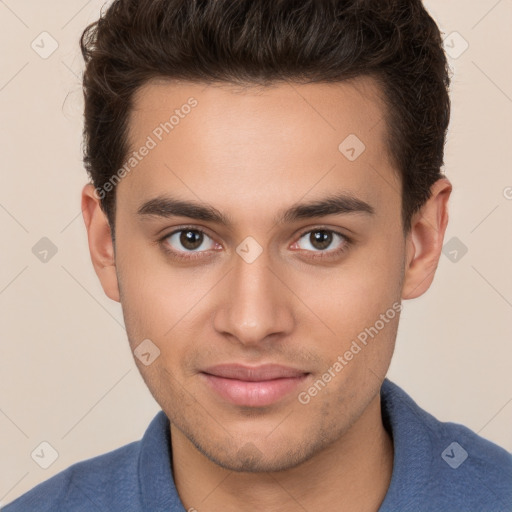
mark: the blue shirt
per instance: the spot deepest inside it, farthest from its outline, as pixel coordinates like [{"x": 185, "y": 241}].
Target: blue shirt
[{"x": 437, "y": 467}]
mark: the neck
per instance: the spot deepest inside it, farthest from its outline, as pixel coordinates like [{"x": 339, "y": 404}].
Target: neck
[{"x": 351, "y": 474}]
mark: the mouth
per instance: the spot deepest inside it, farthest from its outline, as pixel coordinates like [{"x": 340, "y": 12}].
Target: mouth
[{"x": 257, "y": 386}]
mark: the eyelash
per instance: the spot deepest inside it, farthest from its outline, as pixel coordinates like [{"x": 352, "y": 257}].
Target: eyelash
[{"x": 347, "y": 242}]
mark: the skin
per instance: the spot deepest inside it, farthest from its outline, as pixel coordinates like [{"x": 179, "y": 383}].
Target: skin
[{"x": 251, "y": 153}]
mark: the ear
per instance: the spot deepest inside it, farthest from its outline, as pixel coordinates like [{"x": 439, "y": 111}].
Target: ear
[
  {"x": 101, "y": 245},
  {"x": 424, "y": 242}
]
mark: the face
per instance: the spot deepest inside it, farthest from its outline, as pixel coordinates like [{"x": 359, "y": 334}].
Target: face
[{"x": 271, "y": 303}]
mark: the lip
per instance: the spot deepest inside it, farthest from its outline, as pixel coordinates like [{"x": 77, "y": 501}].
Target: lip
[{"x": 253, "y": 386}]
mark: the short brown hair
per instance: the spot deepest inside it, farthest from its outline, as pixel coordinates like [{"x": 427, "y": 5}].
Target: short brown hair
[{"x": 262, "y": 42}]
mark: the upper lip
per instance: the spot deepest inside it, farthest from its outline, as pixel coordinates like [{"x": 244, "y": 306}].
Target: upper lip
[{"x": 254, "y": 373}]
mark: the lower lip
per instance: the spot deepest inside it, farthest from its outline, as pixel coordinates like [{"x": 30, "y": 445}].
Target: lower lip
[{"x": 253, "y": 394}]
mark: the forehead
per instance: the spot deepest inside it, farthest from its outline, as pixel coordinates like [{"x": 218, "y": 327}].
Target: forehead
[
  {"x": 241, "y": 145},
  {"x": 283, "y": 108}
]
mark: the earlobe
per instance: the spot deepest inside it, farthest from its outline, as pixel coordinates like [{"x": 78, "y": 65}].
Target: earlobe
[
  {"x": 101, "y": 246},
  {"x": 425, "y": 241}
]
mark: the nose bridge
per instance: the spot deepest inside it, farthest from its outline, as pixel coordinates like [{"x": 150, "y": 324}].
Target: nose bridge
[{"x": 255, "y": 303}]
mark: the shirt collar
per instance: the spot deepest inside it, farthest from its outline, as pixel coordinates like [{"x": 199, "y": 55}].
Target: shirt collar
[
  {"x": 155, "y": 468},
  {"x": 412, "y": 446}
]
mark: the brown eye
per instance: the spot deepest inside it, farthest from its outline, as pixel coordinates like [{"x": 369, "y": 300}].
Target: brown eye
[
  {"x": 321, "y": 239},
  {"x": 189, "y": 240}
]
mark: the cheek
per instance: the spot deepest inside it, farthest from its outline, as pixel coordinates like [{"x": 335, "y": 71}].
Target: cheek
[
  {"x": 155, "y": 306},
  {"x": 165, "y": 304},
  {"x": 356, "y": 294},
  {"x": 151, "y": 295},
  {"x": 360, "y": 303}
]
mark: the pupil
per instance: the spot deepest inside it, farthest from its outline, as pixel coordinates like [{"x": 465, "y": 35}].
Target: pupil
[
  {"x": 191, "y": 239},
  {"x": 321, "y": 239}
]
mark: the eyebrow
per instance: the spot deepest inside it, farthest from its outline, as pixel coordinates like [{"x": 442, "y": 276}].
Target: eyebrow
[{"x": 337, "y": 204}]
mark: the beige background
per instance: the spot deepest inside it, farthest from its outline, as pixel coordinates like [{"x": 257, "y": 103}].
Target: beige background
[{"x": 66, "y": 374}]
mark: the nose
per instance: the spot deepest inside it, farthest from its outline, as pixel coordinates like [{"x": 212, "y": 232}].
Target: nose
[{"x": 255, "y": 306}]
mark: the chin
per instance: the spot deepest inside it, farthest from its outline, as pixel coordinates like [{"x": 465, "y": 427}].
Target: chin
[{"x": 250, "y": 459}]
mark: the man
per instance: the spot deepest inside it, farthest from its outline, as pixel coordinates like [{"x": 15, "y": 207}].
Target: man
[{"x": 266, "y": 190}]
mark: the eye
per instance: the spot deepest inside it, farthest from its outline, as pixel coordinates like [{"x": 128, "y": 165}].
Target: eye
[
  {"x": 188, "y": 243},
  {"x": 188, "y": 240},
  {"x": 320, "y": 239}
]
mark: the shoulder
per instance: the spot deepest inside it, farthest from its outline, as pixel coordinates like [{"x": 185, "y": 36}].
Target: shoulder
[
  {"x": 475, "y": 471},
  {"x": 86, "y": 485},
  {"x": 444, "y": 465},
  {"x": 132, "y": 478}
]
